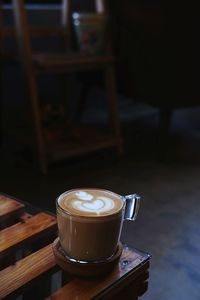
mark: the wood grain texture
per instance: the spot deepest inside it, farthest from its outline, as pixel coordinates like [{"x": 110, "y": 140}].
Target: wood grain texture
[
  {"x": 9, "y": 208},
  {"x": 26, "y": 270},
  {"x": 84, "y": 140},
  {"x": 20, "y": 233},
  {"x": 129, "y": 268},
  {"x": 30, "y": 276},
  {"x": 69, "y": 62}
]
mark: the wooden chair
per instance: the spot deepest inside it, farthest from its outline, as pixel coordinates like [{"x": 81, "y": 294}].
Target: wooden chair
[{"x": 34, "y": 64}]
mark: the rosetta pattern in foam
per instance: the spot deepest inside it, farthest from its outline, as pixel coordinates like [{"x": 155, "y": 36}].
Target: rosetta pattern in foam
[{"x": 88, "y": 203}]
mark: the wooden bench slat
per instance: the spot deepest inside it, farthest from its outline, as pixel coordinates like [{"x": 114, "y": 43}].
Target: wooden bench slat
[
  {"x": 89, "y": 288},
  {"x": 24, "y": 271},
  {"x": 9, "y": 208},
  {"x": 30, "y": 274},
  {"x": 20, "y": 233}
]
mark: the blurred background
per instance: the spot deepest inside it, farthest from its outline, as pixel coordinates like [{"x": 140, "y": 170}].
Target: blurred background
[{"x": 155, "y": 153}]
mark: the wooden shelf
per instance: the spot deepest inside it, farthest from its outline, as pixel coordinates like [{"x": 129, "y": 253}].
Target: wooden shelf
[{"x": 82, "y": 140}]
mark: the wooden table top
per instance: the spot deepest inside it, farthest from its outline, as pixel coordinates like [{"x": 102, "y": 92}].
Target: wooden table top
[{"x": 27, "y": 263}]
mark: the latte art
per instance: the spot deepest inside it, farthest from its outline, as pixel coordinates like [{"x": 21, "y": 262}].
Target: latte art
[
  {"x": 99, "y": 205},
  {"x": 83, "y": 195},
  {"x": 90, "y": 202}
]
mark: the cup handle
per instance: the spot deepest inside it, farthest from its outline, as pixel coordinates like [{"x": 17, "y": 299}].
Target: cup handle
[{"x": 132, "y": 206}]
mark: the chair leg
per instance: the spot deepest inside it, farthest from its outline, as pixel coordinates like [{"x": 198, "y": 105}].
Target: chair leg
[
  {"x": 113, "y": 109},
  {"x": 37, "y": 122}
]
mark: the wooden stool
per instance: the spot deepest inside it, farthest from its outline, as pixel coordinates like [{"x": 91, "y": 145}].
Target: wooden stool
[
  {"x": 28, "y": 263},
  {"x": 82, "y": 139}
]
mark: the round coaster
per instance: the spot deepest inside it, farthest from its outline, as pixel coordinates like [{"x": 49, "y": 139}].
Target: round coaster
[{"x": 82, "y": 268}]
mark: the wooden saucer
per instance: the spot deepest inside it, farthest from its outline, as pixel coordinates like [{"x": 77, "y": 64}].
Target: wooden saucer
[{"x": 81, "y": 268}]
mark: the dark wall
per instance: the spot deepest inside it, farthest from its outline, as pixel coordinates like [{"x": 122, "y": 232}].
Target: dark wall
[{"x": 158, "y": 51}]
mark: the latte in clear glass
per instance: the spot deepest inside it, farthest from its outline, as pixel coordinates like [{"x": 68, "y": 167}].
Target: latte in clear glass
[{"x": 89, "y": 223}]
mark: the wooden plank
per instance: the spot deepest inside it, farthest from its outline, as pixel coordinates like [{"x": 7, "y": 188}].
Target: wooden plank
[
  {"x": 73, "y": 62},
  {"x": 132, "y": 264},
  {"x": 21, "y": 233},
  {"x": 74, "y": 144},
  {"x": 128, "y": 288},
  {"x": 24, "y": 217},
  {"x": 9, "y": 208},
  {"x": 36, "y": 31},
  {"x": 26, "y": 270}
]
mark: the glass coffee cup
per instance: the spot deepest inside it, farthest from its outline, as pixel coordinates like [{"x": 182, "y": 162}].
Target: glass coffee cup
[{"x": 90, "y": 222}]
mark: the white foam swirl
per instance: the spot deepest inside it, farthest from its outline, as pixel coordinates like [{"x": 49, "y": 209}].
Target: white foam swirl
[
  {"x": 98, "y": 205},
  {"x": 84, "y": 195}
]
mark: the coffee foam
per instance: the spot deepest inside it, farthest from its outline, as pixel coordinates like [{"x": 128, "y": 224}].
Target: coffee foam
[{"x": 90, "y": 202}]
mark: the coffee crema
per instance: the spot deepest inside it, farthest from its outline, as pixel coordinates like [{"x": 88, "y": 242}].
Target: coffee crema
[{"x": 90, "y": 202}]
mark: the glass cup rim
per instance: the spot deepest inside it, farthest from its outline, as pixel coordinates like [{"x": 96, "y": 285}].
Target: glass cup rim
[{"x": 91, "y": 217}]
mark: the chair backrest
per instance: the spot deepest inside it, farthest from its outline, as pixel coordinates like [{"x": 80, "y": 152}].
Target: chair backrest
[{"x": 25, "y": 31}]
